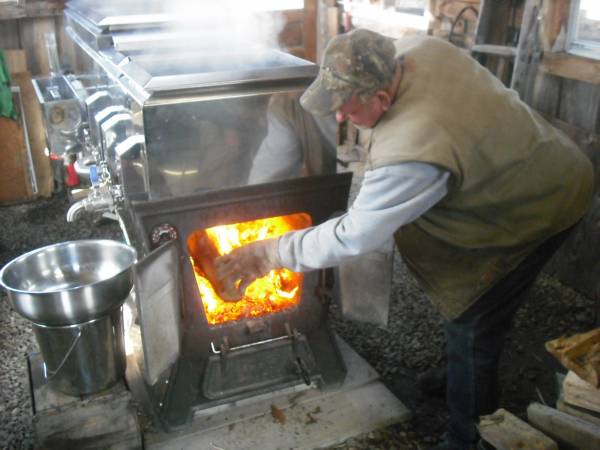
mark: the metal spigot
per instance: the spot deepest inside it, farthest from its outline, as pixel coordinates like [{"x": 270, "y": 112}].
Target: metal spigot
[{"x": 103, "y": 196}]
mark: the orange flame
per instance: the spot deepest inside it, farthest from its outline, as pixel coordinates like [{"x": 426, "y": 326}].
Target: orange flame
[{"x": 280, "y": 289}]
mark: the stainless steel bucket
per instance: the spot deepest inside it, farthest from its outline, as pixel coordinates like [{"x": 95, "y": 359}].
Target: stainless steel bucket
[
  {"x": 84, "y": 358},
  {"x": 70, "y": 282},
  {"x": 73, "y": 293}
]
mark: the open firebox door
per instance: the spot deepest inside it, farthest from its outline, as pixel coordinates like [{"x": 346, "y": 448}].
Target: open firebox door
[
  {"x": 157, "y": 287},
  {"x": 157, "y": 342}
]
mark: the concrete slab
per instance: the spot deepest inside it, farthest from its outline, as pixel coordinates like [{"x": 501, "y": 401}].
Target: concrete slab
[{"x": 298, "y": 418}]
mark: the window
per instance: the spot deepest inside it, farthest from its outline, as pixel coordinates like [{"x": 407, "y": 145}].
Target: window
[
  {"x": 584, "y": 28},
  {"x": 411, "y": 6},
  {"x": 278, "y": 5}
]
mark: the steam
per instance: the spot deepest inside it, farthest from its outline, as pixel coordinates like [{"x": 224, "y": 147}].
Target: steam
[
  {"x": 218, "y": 25},
  {"x": 228, "y": 24}
]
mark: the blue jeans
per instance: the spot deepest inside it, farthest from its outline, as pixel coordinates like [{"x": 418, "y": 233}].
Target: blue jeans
[{"x": 475, "y": 341}]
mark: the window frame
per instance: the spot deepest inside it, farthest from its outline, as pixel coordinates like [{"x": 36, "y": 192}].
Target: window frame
[{"x": 575, "y": 46}]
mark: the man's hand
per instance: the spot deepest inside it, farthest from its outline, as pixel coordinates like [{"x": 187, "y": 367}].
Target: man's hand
[{"x": 242, "y": 266}]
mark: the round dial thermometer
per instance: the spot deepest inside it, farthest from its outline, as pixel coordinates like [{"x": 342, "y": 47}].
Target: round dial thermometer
[{"x": 161, "y": 234}]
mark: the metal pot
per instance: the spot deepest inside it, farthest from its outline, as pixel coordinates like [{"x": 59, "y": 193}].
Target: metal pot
[{"x": 70, "y": 282}]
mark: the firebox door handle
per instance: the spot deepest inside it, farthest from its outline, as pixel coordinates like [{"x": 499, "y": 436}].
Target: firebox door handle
[{"x": 266, "y": 341}]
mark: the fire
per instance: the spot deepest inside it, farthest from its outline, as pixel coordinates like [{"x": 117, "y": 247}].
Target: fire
[{"x": 278, "y": 290}]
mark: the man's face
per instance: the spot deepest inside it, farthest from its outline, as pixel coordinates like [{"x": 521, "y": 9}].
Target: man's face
[{"x": 363, "y": 114}]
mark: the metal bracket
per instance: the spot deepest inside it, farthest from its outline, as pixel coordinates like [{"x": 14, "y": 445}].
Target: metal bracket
[{"x": 294, "y": 335}]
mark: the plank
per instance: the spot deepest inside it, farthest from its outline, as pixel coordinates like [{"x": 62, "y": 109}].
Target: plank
[
  {"x": 580, "y": 104},
  {"x": 14, "y": 186},
  {"x": 555, "y": 17},
  {"x": 571, "y": 66},
  {"x": 16, "y": 60},
  {"x": 31, "y": 33},
  {"x": 579, "y": 353},
  {"x": 310, "y": 30},
  {"x": 36, "y": 132},
  {"x": 11, "y": 12},
  {"x": 576, "y": 411},
  {"x": 9, "y": 34},
  {"x": 67, "y": 50},
  {"x": 580, "y": 393},
  {"x": 545, "y": 95},
  {"x": 31, "y": 9},
  {"x": 109, "y": 422},
  {"x": 569, "y": 431},
  {"x": 507, "y": 432}
]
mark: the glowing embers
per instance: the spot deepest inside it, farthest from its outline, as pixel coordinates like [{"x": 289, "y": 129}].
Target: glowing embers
[{"x": 278, "y": 290}]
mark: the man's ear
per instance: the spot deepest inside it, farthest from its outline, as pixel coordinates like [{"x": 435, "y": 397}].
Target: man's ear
[{"x": 385, "y": 99}]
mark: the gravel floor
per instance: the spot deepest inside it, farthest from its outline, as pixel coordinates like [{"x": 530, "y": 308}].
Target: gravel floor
[{"x": 412, "y": 344}]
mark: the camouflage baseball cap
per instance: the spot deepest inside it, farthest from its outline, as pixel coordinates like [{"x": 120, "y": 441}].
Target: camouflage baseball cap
[{"x": 358, "y": 62}]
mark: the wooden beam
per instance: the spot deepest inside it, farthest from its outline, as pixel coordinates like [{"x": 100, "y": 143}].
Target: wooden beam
[
  {"x": 576, "y": 411},
  {"x": 310, "y": 30},
  {"x": 571, "y": 66},
  {"x": 507, "y": 432},
  {"x": 32, "y": 40},
  {"x": 9, "y": 34},
  {"x": 568, "y": 431},
  {"x": 16, "y": 60},
  {"x": 30, "y": 10},
  {"x": 555, "y": 16},
  {"x": 580, "y": 393}
]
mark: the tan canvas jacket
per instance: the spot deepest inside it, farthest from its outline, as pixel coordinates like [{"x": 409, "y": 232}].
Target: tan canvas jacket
[{"x": 515, "y": 181}]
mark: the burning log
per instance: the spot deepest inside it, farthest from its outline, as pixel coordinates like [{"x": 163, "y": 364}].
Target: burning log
[
  {"x": 279, "y": 289},
  {"x": 204, "y": 253}
]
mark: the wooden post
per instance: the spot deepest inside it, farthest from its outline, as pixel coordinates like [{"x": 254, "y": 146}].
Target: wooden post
[
  {"x": 310, "y": 30},
  {"x": 555, "y": 16}
]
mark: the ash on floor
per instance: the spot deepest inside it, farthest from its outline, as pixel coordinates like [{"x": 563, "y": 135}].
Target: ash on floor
[{"x": 412, "y": 344}]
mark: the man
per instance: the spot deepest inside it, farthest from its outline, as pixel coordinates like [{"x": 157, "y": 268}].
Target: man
[{"x": 477, "y": 189}]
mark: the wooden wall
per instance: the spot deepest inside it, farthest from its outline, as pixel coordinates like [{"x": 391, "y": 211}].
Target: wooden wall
[
  {"x": 24, "y": 28},
  {"x": 299, "y": 35}
]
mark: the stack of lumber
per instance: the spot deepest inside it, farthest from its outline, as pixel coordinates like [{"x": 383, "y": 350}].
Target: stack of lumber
[
  {"x": 579, "y": 398},
  {"x": 575, "y": 423},
  {"x": 579, "y": 353}
]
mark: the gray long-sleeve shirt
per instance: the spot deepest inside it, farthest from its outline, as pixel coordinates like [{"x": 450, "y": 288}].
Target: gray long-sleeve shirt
[{"x": 389, "y": 197}]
